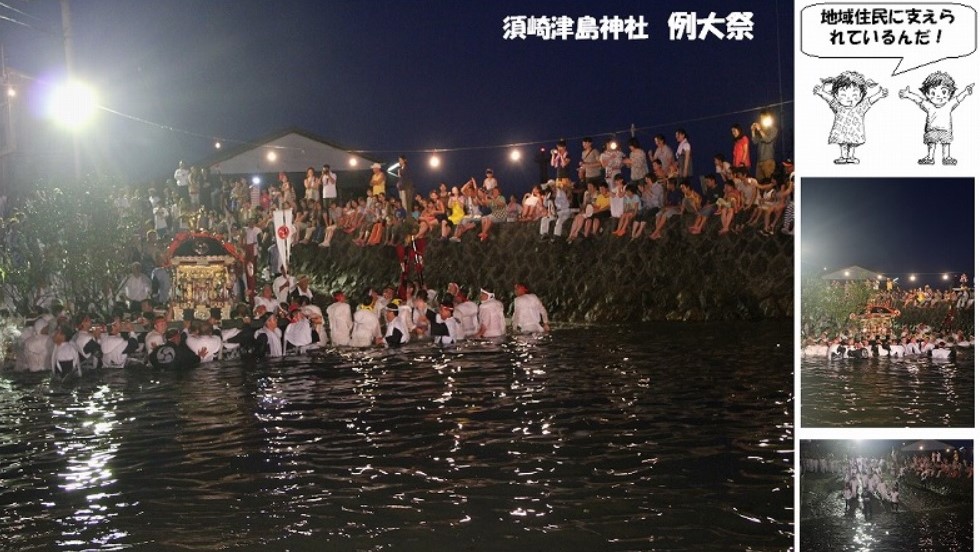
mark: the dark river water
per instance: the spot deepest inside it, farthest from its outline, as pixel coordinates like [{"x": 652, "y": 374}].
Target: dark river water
[
  {"x": 671, "y": 437},
  {"x": 886, "y": 393}
]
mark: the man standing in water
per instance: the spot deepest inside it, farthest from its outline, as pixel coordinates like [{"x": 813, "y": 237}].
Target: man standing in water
[
  {"x": 530, "y": 315},
  {"x": 175, "y": 355},
  {"x": 340, "y": 319},
  {"x": 491, "y": 316}
]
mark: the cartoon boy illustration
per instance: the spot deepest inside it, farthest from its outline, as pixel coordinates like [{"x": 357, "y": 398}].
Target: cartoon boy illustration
[
  {"x": 849, "y": 100},
  {"x": 939, "y": 99}
]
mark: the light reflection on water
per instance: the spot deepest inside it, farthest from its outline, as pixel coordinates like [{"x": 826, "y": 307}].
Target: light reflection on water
[
  {"x": 886, "y": 393},
  {"x": 671, "y": 436}
]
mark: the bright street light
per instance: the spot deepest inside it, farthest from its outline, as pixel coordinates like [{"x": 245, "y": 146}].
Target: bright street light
[{"x": 72, "y": 104}]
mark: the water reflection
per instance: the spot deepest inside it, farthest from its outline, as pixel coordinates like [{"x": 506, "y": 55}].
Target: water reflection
[
  {"x": 83, "y": 438},
  {"x": 888, "y": 393},
  {"x": 580, "y": 439}
]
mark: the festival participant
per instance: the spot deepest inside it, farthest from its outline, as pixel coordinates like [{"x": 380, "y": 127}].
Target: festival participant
[
  {"x": 332, "y": 219},
  {"x": 315, "y": 316},
  {"x": 155, "y": 337},
  {"x": 637, "y": 161},
  {"x": 748, "y": 187},
  {"x": 267, "y": 300},
  {"x": 722, "y": 167},
  {"x": 490, "y": 182},
  {"x": 378, "y": 180},
  {"x": 601, "y": 210},
  {"x": 328, "y": 185},
  {"x": 631, "y": 207},
  {"x": 560, "y": 161},
  {"x": 740, "y": 147},
  {"x": 683, "y": 154},
  {"x": 468, "y": 214},
  {"x": 773, "y": 211},
  {"x": 396, "y": 333},
  {"x": 135, "y": 287},
  {"x": 283, "y": 285},
  {"x": 381, "y": 301},
  {"x": 764, "y": 136},
  {"x": 182, "y": 176},
  {"x": 532, "y": 206},
  {"x": 711, "y": 196},
  {"x": 340, "y": 319},
  {"x": 583, "y": 220},
  {"x": 611, "y": 160},
  {"x": 651, "y": 193},
  {"x": 86, "y": 341},
  {"x": 590, "y": 167},
  {"x": 663, "y": 152},
  {"x": 302, "y": 289},
  {"x": 299, "y": 333},
  {"x": 406, "y": 310},
  {"x": 439, "y": 322},
  {"x": 160, "y": 280},
  {"x": 558, "y": 210},
  {"x": 673, "y": 205},
  {"x": 35, "y": 352},
  {"x": 64, "y": 356},
  {"x": 201, "y": 337},
  {"x": 530, "y": 316},
  {"x": 175, "y": 354},
  {"x": 117, "y": 343},
  {"x": 466, "y": 312},
  {"x": 268, "y": 338},
  {"x": 491, "y": 316},
  {"x": 311, "y": 184},
  {"x": 367, "y": 330}
]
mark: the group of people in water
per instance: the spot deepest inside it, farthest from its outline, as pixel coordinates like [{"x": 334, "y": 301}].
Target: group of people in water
[
  {"x": 272, "y": 328},
  {"x": 919, "y": 343},
  {"x": 867, "y": 477}
]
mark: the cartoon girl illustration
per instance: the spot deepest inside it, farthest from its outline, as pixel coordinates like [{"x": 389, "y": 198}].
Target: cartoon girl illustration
[
  {"x": 939, "y": 99},
  {"x": 849, "y": 100}
]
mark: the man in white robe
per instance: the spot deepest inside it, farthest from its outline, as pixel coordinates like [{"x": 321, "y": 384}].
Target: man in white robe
[
  {"x": 530, "y": 316},
  {"x": 341, "y": 320},
  {"x": 491, "y": 316}
]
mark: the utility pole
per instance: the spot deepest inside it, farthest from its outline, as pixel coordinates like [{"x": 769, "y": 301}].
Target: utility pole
[{"x": 66, "y": 34}]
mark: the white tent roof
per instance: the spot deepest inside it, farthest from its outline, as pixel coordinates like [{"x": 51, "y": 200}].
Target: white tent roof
[
  {"x": 926, "y": 446},
  {"x": 294, "y": 151},
  {"x": 853, "y": 272}
]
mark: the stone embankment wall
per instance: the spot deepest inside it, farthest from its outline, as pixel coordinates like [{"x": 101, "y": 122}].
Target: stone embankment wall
[
  {"x": 602, "y": 279},
  {"x": 934, "y": 316}
]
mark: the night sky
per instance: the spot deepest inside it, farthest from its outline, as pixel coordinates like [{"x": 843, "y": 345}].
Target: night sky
[
  {"x": 897, "y": 226},
  {"x": 397, "y": 76}
]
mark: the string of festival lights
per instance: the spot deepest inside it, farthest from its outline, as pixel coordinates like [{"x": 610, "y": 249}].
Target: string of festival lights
[
  {"x": 912, "y": 276},
  {"x": 434, "y": 161}
]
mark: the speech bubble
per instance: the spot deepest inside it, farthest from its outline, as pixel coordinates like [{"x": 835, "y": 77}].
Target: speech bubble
[{"x": 919, "y": 33}]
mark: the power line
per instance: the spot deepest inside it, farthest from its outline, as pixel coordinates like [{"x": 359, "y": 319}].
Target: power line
[
  {"x": 551, "y": 140},
  {"x": 13, "y": 9},
  {"x": 525, "y": 143}
]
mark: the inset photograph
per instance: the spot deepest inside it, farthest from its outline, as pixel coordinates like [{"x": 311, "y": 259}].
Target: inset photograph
[
  {"x": 887, "y": 302},
  {"x": 886, "y": 495}
]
